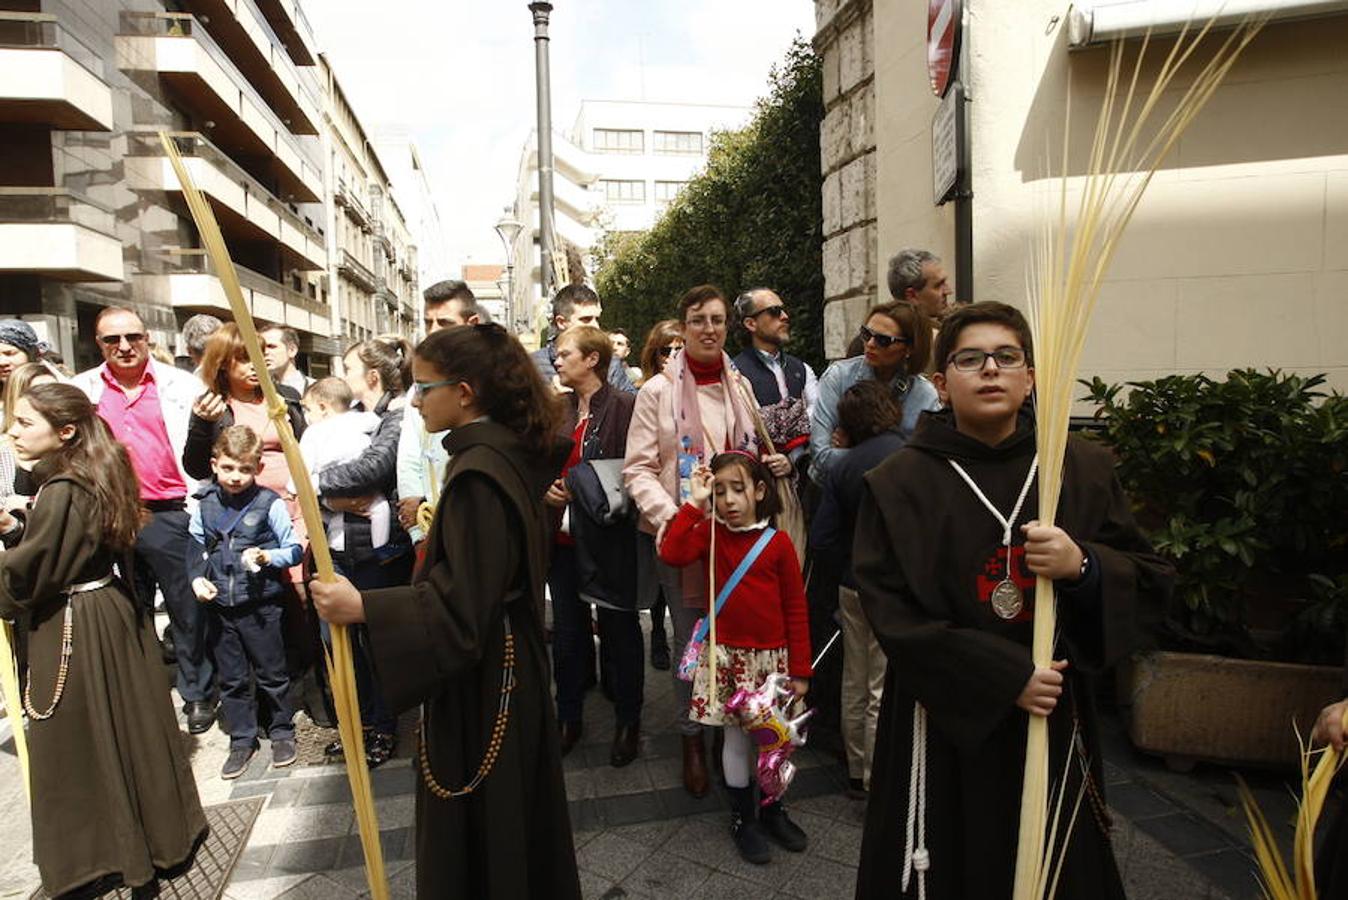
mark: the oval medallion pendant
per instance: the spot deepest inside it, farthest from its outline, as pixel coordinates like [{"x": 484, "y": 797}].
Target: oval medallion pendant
[{"x": 1007, "y": 600}]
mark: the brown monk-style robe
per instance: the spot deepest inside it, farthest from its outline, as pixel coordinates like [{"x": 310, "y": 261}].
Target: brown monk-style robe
[
  {"x": 440, "y": 642},
  {"x": 927, "y": 554},
  {"x": 113, "y": 792}
]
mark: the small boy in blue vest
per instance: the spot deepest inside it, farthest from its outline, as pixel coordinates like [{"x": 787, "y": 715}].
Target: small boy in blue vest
[{"x": 243, "y": 544}]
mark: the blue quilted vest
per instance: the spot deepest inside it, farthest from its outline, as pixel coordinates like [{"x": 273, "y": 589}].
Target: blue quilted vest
[{"x": 247, "y": 527}]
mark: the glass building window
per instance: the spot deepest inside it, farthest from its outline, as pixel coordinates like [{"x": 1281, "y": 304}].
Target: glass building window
[
  {"x": 685, "y": 142},
  {"x": 616, "y": 191},
  {"x": 616, "y": 140},
  {"x": 666, "y": 191}
]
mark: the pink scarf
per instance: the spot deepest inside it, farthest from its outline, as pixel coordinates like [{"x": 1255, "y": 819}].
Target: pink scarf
[{"x": 740, "y": 434}]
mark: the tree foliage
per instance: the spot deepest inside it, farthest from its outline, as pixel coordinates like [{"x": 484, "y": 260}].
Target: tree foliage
[{"x": 752, "y": 218}]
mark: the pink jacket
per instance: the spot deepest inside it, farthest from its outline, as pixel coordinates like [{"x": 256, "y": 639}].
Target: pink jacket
[{"x": 650, "y": 468}]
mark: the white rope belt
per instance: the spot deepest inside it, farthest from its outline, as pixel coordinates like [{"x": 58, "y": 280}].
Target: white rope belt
[{"x": 915, "y": 856}]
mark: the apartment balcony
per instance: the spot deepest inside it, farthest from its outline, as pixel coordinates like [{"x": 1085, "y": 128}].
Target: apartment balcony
[
  {"x": 243, "y": 206},
  {"x": 348, "y": 200},
  {"x": 174, "y": 48},
  {"x": 189, "y": 283},
  {"x": 47, "y": 77},
  {"x": 242, "y": 31},
  {"x": 357, "y": 271},
  {"x": 288, "y": 21},
  {"x": 54, "y": 233}
]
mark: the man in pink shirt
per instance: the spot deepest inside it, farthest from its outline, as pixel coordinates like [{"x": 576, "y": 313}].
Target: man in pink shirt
[{"x": 147, "y": 406}]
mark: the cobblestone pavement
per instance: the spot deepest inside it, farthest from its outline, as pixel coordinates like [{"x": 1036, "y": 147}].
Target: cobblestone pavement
[{"x": 638, "y": 834}]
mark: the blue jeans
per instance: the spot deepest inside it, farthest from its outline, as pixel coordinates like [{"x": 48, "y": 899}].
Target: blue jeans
[
  {"x": 161, "y": 549},
  {"x": 619, "y": 634},
  {"x": 248, "y": 639}
]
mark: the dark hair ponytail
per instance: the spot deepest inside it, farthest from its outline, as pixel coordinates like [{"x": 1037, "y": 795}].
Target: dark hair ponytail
[
  {"x": 389, "y": 355},
  {"x": 504, "y": 378}
]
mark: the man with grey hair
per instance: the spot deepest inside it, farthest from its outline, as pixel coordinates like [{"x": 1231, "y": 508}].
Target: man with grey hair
[
  {"x": 195, "y": 332},
  {"x": 776, "y": 376},
  {"x": 917, "y": 277}
]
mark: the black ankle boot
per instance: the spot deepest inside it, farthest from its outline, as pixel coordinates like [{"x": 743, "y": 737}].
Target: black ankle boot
[
  {"x": 744, "y": 827},
  {"x": 778, "y": 826}
]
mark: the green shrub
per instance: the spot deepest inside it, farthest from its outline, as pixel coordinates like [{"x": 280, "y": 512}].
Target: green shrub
[{"x": 1243, "y": 484}]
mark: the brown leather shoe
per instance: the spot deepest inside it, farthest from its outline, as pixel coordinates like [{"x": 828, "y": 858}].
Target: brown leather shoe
[
  {"x": 695, "y": 765},
  {"x": 626, "y": 742},
  {"x": 569, "y": 733}
]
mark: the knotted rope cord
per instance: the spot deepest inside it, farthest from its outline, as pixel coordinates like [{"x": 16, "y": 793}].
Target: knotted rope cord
[{"x": 915, "y": 855}]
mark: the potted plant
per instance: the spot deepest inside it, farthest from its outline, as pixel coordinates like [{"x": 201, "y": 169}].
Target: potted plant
[{"x": 1243, "y": 484}]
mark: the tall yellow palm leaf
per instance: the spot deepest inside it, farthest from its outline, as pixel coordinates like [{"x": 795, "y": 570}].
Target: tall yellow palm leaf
[
  {"x": 341, "y": 673},
  {"x": 1299, "y": 884},
  {"x": 1070, "y": 260}
]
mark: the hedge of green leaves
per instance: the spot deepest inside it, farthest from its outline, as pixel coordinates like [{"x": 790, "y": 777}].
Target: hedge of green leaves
[{"x": 752, "y": 218}]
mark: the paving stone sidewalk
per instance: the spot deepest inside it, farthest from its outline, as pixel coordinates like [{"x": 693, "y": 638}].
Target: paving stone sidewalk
[{"x": 638, "y": 834}]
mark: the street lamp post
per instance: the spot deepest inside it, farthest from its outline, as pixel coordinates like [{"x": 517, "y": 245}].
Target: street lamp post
[
  {"x": 546, "y": 238},
  {"x": 509, "y": 228}
]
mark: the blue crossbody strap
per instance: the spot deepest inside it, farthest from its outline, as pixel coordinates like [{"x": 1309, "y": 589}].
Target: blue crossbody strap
[{"x": 735, "y": 577}]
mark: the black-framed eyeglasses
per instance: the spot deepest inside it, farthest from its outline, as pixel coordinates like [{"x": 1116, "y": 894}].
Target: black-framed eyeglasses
[
  {"x": 668, "y": 350},
  {"x": 776, "y": 311},
  {"x": 972, "y": 360},
  {"x": 883, "y": 341},
  {"x": 421, "y": 388},
  {"x": 114, "y": 340}
]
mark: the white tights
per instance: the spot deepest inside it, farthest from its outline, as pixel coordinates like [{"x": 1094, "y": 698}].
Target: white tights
[{"x": 737, "y": 757}]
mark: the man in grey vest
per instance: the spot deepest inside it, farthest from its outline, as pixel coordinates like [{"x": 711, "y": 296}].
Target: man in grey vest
[{"x": 779, "y": 380}]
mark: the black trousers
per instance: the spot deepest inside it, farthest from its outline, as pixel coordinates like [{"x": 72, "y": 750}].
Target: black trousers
[
  {"x": 161, "y": 556},
  {"x": 619, "y": 637},
  {"x": 249, "y": 640}
]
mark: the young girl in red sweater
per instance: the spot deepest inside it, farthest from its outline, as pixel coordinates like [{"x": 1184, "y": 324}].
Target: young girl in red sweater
[{"x": 763, "y": 628}]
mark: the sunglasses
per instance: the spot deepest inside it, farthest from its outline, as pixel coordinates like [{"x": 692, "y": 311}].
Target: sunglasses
[
  {"x": 114, "y": 340},
  {"x": 668, "y": 350},
  {"x": 883, "y": 341},
  {"x": 422, "y": 388},
  {"x": 775, "y": 311}
]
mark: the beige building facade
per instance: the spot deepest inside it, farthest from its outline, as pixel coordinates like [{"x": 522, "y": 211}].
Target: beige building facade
[
  {"x": 373, "y": 265},
  {"x": 91, "y": 212},
  {"x": 1238, "y": 255}
]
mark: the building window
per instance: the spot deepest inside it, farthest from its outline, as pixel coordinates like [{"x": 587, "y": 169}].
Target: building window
[
  {"x": 666, "y": 191},
  {"x": 615, "y": 140},
  {"x": 686, "y": 142},
  {"x": 624, "y": 191}
]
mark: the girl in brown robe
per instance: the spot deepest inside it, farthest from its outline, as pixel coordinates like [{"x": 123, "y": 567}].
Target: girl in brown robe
[
  {"x": 492, "y": 820},
  {"x": 112, "y": 792}
]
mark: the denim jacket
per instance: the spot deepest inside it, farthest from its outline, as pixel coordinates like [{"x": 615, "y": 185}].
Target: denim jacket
[{"x": 916, "y": 393}]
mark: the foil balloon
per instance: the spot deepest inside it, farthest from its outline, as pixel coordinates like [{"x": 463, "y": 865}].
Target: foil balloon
[{"x": 762, "y": 715}]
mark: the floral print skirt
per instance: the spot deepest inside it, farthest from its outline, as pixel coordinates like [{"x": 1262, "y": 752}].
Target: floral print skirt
[{"x": 736, "y": 668}]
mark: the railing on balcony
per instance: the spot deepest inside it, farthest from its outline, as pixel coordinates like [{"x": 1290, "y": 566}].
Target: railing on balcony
[
  {"x": 31, "y": 30},
  {"x": 195, "y": 144},
  {"x": 279, "y": 58},
  {"x": 166, "y": 24},
  {"x": 192, "y": 261},
  {"x": 356, "y": 270},
  {"x": 54, "y": 205},
  {"x": 350, "y": 200}
]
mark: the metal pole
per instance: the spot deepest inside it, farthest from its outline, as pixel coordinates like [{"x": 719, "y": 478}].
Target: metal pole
[
  {"x": 541, "y": 11},
  {"x": 510, "y": 297}
]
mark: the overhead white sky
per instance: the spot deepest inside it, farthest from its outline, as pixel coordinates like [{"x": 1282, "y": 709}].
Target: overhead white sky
[{"x": 458, "y": 76}]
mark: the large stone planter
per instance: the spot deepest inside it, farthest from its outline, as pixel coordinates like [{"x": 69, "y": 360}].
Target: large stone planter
[{"x": 1188, "y": 707}]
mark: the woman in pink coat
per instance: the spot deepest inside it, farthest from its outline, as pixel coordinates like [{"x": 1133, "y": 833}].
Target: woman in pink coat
[{"x": 697, "y": 407}]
